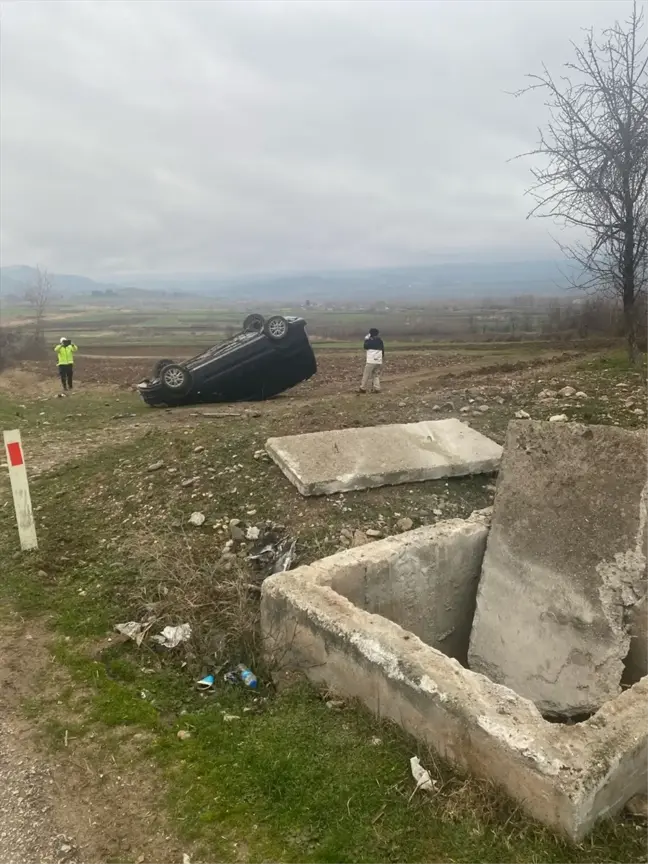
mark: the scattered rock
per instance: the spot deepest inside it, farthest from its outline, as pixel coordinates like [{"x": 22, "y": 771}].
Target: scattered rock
[
  {"x": 464, "y": 410},
  {"x": 448, "y": 406},
  {"x": 189, "y": 481},
  {"x": 373, "y": 533},
  {"x": 437, "y": 512},
  {"x": 483, "y": 408},
  {"x": 436, "y": 407},
  {"x": 197, "y": 519},
  {"x": 335, "y": 704},
  {"x": 638, "y": 806},
  {"x": 199, "y": 449},
  {"x": 183, "y": 734},
  {"x": 638, "y": 411},
  {"x": 581, "y": 395},
  {"x": 405, "y": 524},
  {"x": 359, "y": 538},
  {"x": 500, "y": 400},
  {"x": 547, "y": 394},
  {"x": 522, "y": 415},
  {"x": 252, "y": 533},
  {"x": 559, "y": 418},
  {"x": 236, "y": 532},
  {"x": 566, "y": 392},
  {"x": 155, "y": 466},
  {"x": 346, "y": 534}
]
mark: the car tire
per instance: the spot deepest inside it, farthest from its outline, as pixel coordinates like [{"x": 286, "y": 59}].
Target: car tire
[
  {"x": 176, "y": 379},
  {"x": 159, "y": 366},
  {"x": 276, "y": 328},
  {"x": 253, "y": 323}
]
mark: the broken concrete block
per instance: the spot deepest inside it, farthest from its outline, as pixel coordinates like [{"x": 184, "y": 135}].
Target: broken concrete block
[
  {"x": 318, "y": 620},
  {"x": 564, "y": 566},
  {"x": 322, "y": 463}
]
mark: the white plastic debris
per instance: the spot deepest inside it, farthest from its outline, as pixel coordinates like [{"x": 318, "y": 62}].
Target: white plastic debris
[
  {"x": 422, "y": 777},
  {"x": 197, "y": 519},
  {"x": 286, "y": 557},
  {"x": 171, "y": 637},
  {"x": 134, "y": 630}
]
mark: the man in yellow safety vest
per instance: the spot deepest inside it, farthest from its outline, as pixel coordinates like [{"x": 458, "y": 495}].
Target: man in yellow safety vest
[{"x": 65, "y": 361}]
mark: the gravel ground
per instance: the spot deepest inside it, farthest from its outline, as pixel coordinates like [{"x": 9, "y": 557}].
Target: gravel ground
[{"x": 27, "y": 834}]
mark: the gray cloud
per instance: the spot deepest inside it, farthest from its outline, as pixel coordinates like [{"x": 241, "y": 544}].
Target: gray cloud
[{"x": 245, "y": 136}]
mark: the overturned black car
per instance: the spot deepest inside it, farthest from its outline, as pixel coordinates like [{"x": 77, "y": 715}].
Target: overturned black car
[{"x": 265, "y": 358}]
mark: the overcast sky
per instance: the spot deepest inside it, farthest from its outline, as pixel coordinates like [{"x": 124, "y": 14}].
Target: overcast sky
[{"x": 266, "y": 136}]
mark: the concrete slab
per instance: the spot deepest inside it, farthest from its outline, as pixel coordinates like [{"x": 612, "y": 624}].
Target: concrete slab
[
  {"x": 323, "y": 463},
  {"x": 320, "y": 619},
  {"x": 565, "y": 565}
]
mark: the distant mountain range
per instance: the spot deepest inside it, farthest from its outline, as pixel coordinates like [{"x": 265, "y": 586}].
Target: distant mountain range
[{"x": 436, "y": 281}]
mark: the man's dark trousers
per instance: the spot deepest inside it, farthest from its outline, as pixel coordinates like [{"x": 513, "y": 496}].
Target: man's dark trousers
[{"x": 66, "y": 372}]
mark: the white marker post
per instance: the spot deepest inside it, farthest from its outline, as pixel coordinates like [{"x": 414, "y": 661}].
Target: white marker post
[{"x": 20, "y": 490}]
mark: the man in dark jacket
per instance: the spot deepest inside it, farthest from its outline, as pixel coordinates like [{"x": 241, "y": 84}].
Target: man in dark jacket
[{"x": 375, "y": 352}]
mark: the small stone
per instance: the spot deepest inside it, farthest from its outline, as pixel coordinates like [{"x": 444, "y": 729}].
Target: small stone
[
  {"x": 199, "y": 449},
  {"x": 346, "y": 533},
  {"x": 375, "y": 741},
  {"x": 183, "y": 734},
  {"x": 581, "y": 395},
  {"x": 42, "y": 574},
  {"x": 483, "y": 408},
  {"x": 500, "y": 400},
  {"x": 464, "y": 410},
  {"x": 402, "y": 404},
  {"x": 155, "y": 466},
  {"x": 236, "y": 532},
  {"x": 522, "y": 415},
  {"x": 373, "y": 532},
  {"x": 335, "y": 704},
  {"x": 566, "y": 392},
  {"x": 405, "y": 524},
  {"x": 436, "y": 407},
  {"x": 197, "y": 519},
  {"x": 252, "y": 533},
  {"x": 448, "y": 406},
  {"x": 359, "y": 538},
  {"x": 638, "y": 806},
  {"x": 558, "y": 418},
  {"x": 437, "y": 512},
  {"x": 189, "y": 481},
  {"x": 638, "y": 411},
  {"x": 547, "y": 394}
]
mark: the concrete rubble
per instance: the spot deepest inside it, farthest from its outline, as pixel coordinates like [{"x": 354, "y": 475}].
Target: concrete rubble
[
  {"x": 560, "y": 605},
  {"x": 323, "y": 463},
  {"x": 322, "y": 620},
  {"x": 565, "y": 565}
]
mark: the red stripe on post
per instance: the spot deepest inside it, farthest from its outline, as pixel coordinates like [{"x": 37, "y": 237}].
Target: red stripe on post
[{"x": 14, "y": 451}]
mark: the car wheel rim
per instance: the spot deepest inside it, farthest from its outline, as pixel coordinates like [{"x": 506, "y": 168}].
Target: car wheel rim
[
  {"x": 174, "y": 378},
  {"x": 277, "y": 328}
]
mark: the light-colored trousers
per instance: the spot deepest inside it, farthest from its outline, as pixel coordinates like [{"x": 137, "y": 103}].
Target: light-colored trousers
[{"x": 371, "y": 377}]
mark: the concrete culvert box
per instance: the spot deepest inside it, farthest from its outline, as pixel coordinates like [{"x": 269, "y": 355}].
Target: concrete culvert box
[{"x": 378, "y": 623}]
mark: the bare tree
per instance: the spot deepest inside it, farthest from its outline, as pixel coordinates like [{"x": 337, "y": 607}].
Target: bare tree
[
  {"x": 38, "y": 296},
  {"x": 594, "y": 173}
]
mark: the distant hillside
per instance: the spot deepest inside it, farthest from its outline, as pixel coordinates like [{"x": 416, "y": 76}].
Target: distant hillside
[
  {"x": 471, "y": 280},
  {"x": 439, "y": 281},
  {"x": 14, "y": 281}
]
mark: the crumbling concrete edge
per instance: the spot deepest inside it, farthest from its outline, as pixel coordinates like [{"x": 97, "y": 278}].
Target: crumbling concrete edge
[{"x": 567, "y": 777}]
